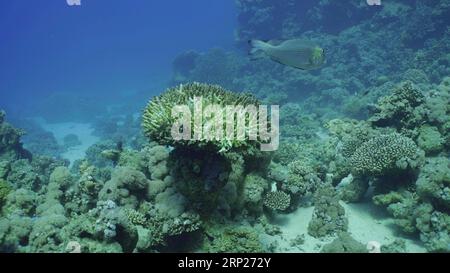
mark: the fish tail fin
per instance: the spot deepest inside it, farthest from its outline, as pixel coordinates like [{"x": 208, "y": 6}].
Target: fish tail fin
[{"x": 258, "y": 49}]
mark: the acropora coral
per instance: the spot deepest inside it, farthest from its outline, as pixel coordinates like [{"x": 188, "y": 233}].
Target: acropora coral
[
  {"x": 157, "y": 120},
  {"x": 384, "y": 154},
  {"x": 277, "y": 200}
]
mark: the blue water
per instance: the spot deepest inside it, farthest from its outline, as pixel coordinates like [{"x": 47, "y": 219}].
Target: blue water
[{"x": 105, "y": 46}]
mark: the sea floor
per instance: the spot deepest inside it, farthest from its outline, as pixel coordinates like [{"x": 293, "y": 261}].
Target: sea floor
[
  {"x": 366, "y": 223},
  {"x": 82, "y": 130}
]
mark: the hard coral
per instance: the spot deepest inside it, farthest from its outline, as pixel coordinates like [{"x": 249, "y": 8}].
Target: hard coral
[
  {"x": 277, "y": 200},
  {"x": 10, "y": 145},
  {"x": 158, "y": 119},
  {"x": 329, "y": 216},
  {"x": 5, "y": 189},
  {"x": 397, "y": 109},
  {"x": 301, "y": 179},
  {"x": 383, "y": 154}
]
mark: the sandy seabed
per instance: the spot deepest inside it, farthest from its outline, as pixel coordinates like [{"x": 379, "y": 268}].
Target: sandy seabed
[
  {"x": 82, "y": 130},
  {"x": 366, "y": 223}
]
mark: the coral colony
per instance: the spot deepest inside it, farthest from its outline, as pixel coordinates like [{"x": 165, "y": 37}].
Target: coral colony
[{"x": 214, "y": 122}]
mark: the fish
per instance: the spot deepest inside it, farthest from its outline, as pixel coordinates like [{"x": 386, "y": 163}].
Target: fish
[{"x": 297, "y": 53}]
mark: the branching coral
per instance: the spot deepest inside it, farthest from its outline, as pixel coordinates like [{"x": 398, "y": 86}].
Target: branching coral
[
  {"x": 384, "y": 154},
  {"x": 158, "y": 120},
  {"x": 277, "y": 200}
]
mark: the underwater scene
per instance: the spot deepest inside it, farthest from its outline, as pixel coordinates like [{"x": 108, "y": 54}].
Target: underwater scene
[{"x": 225, "y": 126}]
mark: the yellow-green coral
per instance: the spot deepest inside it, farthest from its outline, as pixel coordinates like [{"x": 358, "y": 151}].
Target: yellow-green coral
[
  {"x": 135, "y": 217},
  {"x": 158, "y": 120}
]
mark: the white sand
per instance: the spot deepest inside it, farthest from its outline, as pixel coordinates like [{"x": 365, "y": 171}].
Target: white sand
[
  {"x": 366, "y": 223},
  {"x": 82, "y": 130}
]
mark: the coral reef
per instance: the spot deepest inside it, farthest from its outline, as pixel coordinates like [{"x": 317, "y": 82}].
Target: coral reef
[
  {"x": 255, "y": 187},
  {"x": 125, "y": 187},
  {"x": 433, "y": 183},
  {"x": 233, "y": 240},
  {"x": 344, "y": 243},
  {"x": 10, "y": 145},
  {"x": 397, "y": 109},
  {"x": 370, "y": 127},
  {"x": 329, "y": 216},
  {"x": 302, "y": 179},
  {"x": 5, "y": 189}
]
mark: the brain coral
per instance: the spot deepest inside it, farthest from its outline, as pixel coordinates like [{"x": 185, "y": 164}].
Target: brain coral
[
  {"x": 383, "y": 154},
  {"x": 158, "y": 120}
]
